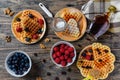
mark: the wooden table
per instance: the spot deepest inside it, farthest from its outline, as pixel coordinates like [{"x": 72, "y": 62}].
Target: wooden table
[{"x": 42, "y": 64}]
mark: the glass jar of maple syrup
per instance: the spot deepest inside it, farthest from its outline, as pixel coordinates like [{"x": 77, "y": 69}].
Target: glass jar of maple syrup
[{"x": 101, "y": 23}]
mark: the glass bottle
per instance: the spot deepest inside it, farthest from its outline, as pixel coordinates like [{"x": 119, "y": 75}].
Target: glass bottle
[{"x": 101, "y": 23}]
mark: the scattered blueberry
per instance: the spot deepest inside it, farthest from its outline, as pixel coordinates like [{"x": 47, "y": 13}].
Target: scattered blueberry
[
  {"x": 27, "y": 39},
  {"x": 57, "y": 78},
  {"x": 69, "y": 69},
  {"x": 30, "y": 15},
  {"x": 48, "y": 74},
  {"x": 68, "y": 78},
  {"x": 18, "y": 63},
  {"x": 84, "y": 54},
  {"x": 63, "y": 73},
  {"x": 26, "y": 29},
  {"x": 106, "y": 51},
  {"x": 18, "y": 19},
  {"x": 39, "y": 31}
]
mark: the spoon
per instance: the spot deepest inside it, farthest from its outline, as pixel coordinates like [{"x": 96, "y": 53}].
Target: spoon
[{"x": 58, "y": 24}]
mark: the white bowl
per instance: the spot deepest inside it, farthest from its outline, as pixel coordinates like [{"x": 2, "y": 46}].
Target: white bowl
[
  {"x": 58, "y": 43},
  {"x": 10, "y": 71}
]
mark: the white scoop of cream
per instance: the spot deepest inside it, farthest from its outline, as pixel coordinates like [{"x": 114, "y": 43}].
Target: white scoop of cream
[{"x": 60, "y": 24}]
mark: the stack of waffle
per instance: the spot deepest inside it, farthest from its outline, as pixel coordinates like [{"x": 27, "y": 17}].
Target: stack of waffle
[
  {"x": 28, "y": 26},
  {"x": 96, "y": 60}
]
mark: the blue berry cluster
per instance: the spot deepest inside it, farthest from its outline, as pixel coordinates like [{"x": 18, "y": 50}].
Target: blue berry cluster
[{"x": 18, "y": 63}]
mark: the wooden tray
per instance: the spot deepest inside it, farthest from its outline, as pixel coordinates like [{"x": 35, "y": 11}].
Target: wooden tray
[
  {"x": 82, "y": 23},
  {"x": 18, "y": 36}
]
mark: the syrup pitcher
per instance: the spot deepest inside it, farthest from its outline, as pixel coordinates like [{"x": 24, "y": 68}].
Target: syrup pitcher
[{"x": 100, "y": 23}]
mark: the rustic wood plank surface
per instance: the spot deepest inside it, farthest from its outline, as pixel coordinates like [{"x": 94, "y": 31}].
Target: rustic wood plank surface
[{"x": 40, "y": 66}]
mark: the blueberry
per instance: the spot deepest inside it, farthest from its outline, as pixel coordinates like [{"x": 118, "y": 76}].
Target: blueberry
[
  {"x": 13, "y": 62},
  {"x": 84, "y": 54},
  {"x": 10, "y": 59},
  {"x": 14, "y": 58},
  {"x": 30, "y": 15},
  {"x": 27, "y": 29},
  {"x": 27, "y": 39},
  {"x": 8, "y": 62},
  {"x": 16, "y": 54},
  {"x": 39, "y": 31},
  {"x": 16, "y": 61},
  {"x": 18, "y": 19},
  {"x": 22, "y": 64},
  {"x": 10, "y": 66},
  {"x": 27, "y": 64},
  {"x": 16, "y": 73},
  {"x": 13, "y": 66}
]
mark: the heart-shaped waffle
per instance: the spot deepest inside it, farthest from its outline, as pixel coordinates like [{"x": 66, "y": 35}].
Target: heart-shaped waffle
[
  {"x": 96, "y": 60},
  {"x": 72, "y": 28},
  {"x": 72, "y": 14}
]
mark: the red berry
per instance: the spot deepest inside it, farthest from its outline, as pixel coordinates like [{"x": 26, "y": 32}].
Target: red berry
[
  {"x": 18, "y": 29},
  {"x": 66, "y": 52},
  {"x": 66, "y": 57},
  {"x": 57, "y": 60},
  {"x": 69, "y": 60},
  {"x": 35, "y": 36},
  {"x": 62, "y": 58},
  {"x": 62, "y": 45},
  {"x": 41, "y": 22},
  {"x": 54, "y": 55},
  {"x": 72, "y": 55},
  {"x": 56, "y": 49},
  {"x": 66, "y": 47},
  {"x": 63, "y": 63},
  {"x": 62, "y": 50},
  {"x": 58, "y": 54},
  {"x": 71, "y": 49},
  {"x": 88, "y": 57}
]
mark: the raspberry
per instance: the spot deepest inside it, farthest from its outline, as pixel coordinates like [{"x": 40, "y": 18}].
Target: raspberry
[
  {"x": 69, "y": 60},
  {"x": 57, "y": 60},
  {"x": 62, "y": 45},
  {"x": 56, "y": 49},
  {"x": 62, "y": 58},
  {"x": 66, "y": 57},
  {"x": 62, "y": 50},
  {"x": 66, "y": 52},
  {"x": 66, "y": 47},
  {"x": 54, "y": 55},
  {"x": 71, "y": 49},
  {"x": 63, "y": 63},
  {"x": 40, "y": 21},
  {"x": 35, "y": 36},
  {"x": 58, "y": 54},
  {"x": 88, "y": 57},
  {"x": 72, "y": 55},
  {"x": 18, "y": 29}
]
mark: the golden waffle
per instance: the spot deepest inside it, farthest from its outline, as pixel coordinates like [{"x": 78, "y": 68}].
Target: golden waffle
[
  {"x": 72, "y": 13},
  {"x": 99, "y": 58},
  {"x": 31, "y": 23},
  {"x": 72, "y": 28}
]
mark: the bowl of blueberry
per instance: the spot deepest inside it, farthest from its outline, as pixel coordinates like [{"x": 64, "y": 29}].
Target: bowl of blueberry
[{"x": 18, "y": 63}]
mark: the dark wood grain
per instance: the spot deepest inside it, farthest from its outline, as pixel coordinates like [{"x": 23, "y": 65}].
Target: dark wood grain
[{"x": 40, "y": 67}]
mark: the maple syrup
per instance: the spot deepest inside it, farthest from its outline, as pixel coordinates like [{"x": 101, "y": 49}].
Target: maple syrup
[{"x": 101, "y": 23}]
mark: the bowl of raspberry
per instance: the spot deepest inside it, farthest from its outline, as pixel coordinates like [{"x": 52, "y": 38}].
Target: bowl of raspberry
[
  {"x": 63, "y": 54},
  {"x": 18, "y": 63}
]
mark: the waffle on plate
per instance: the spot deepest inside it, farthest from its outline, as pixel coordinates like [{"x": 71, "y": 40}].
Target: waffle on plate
[
  {"x": 76, "y": 21},
  {"x": 96, "y": 60},
  {"x": 28, "y": 26}
]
